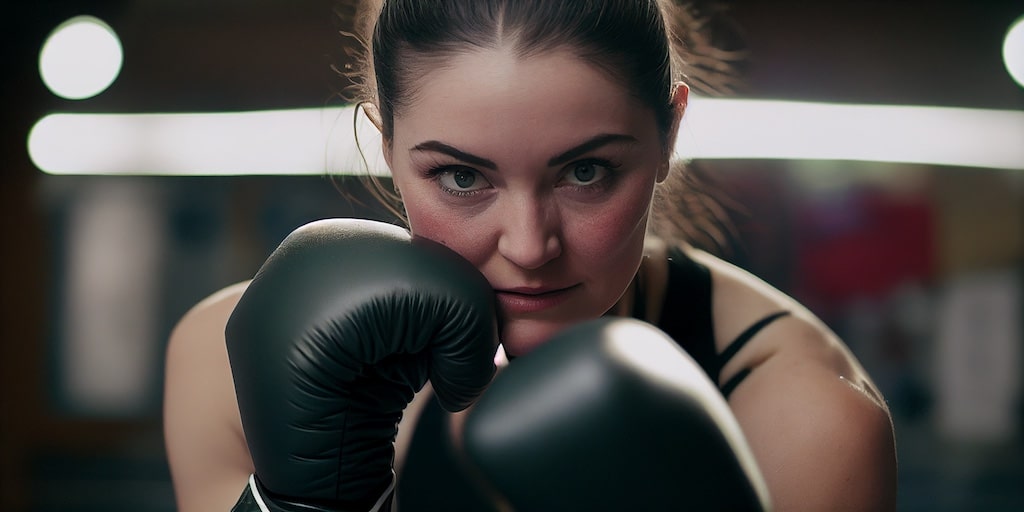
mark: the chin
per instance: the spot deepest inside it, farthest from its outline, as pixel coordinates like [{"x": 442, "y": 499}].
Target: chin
[{"x": 520, "y": 337}]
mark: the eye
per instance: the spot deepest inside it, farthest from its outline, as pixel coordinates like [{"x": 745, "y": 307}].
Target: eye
[
  {"x": 586, "y": 173},
  {"x": 461, "y": 180}
]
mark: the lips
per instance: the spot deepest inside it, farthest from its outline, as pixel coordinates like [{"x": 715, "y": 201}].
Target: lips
[{"x": 524, "y": 300}]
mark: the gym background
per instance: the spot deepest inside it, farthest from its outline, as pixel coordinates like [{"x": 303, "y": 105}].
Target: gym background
[{"x": 919, "y": 267}]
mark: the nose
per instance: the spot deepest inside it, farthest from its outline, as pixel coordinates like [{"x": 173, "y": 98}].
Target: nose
[{"x": 531, "y": 233}]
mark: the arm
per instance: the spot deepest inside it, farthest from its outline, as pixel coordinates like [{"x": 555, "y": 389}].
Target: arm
[
  {"x": 823, "y": 443},
  {"x": 819, "y": 429},
  {"x": 206, "y": 449}
]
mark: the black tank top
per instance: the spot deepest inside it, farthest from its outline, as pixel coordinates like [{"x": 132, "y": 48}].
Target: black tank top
[{"x": 433, "y": 479}]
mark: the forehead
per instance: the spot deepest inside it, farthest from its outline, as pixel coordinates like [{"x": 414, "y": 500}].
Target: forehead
[{"x": 479, "y": 96}]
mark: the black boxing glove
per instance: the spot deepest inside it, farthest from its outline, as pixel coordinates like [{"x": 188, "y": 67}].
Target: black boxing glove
[
  {"x": 610, "y": 415},
  {"x": 338, "y": 330}
]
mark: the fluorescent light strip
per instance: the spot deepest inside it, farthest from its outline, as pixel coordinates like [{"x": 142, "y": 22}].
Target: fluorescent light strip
[
  {"x": 315, "y": 141},
  {"x": 308, "y": 141},
  {"x": 716, "y": 128}
]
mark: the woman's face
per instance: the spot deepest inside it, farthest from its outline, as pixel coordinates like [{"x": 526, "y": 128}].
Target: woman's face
[{"x": 540, "y": 172}]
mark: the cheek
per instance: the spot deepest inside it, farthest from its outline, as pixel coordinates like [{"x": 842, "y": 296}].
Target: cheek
[
  {"x": 613, "y": 236},
  {"x": 432, "y": 217},
  {"x": 435, "y": 220}
]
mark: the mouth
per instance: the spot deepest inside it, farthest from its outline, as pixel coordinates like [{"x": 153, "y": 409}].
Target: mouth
[{"x": 524, "y": 300}]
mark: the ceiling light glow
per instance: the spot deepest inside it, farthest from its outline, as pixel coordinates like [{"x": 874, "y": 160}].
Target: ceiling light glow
[
  {"x": 80, "y": 58},
  {"x": 302, "y": 141},
  {"x": 1013, "y": 51},
  {"x": 741, "y": 129}
]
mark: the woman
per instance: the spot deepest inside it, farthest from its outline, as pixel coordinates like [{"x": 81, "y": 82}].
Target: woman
[{"x": 530, "y": 138}]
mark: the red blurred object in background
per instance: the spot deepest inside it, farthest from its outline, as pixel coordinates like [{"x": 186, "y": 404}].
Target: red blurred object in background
[{"x": 863, "y": 244}]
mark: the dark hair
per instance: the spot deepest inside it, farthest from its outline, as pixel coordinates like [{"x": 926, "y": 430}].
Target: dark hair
[{"x": 644, "y": 44}]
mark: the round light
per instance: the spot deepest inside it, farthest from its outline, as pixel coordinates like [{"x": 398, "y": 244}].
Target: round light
[
  {"x": 80, "y": 58},
  {"x": 1013, "y": 51}
]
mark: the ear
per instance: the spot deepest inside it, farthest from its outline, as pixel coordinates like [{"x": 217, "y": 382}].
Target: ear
[
  {"x": 372, "y": 113},
  {"x": 680, "y": 96}
]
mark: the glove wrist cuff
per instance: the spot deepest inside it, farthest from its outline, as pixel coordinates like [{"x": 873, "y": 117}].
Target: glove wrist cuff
[{"x": 383, "y": 504}]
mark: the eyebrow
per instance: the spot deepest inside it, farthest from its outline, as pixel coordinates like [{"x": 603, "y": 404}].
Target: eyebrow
[
  {"x": 441, "y": 147},
  {"x": 588, "y": 146},
  {"x": 582, "y": 149}
]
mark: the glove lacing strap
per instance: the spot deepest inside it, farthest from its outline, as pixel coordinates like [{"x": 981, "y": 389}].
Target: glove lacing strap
[{"x": 377, "y": 507}]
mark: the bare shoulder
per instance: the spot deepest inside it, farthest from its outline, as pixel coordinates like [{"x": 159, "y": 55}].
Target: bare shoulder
[
  {"x": 206, "y": 319},
  {"x": 817, "y": 424},
  {"x": 206, "y": 448},
  {"x": 740, "y": 299}
]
